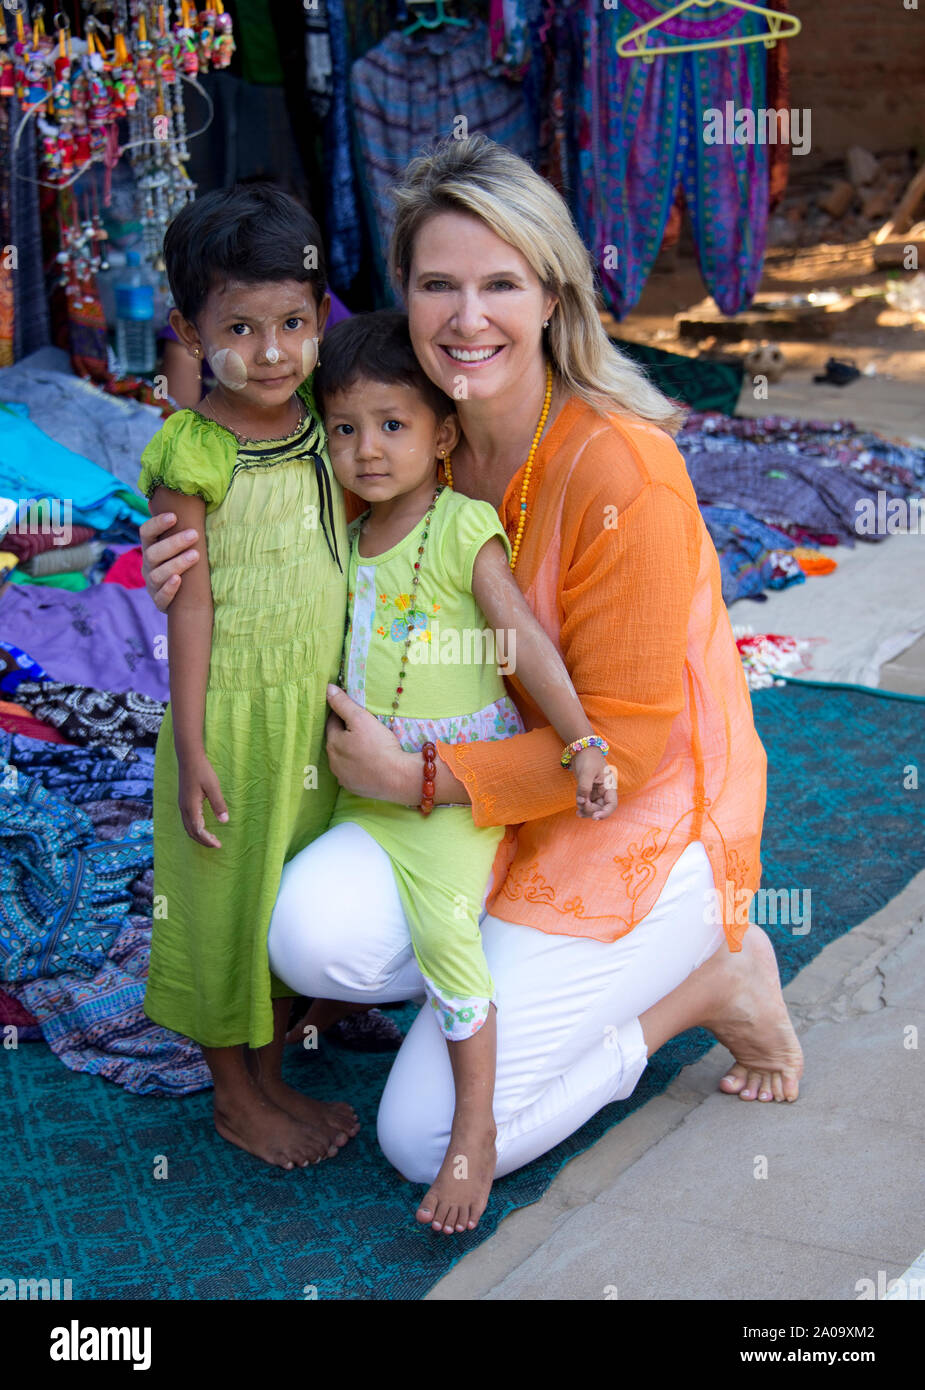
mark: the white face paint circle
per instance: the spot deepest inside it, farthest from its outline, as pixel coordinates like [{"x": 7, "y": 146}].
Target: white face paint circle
[
  {"x": 229, "y": 368},
  {"x": 309, "y": 356},
  {"x": 272, "y": 356}
]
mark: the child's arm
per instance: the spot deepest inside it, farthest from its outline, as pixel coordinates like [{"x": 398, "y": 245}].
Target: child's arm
[
  {"x": 542, "y": 672},
  {"x": 189, "y": 641}
]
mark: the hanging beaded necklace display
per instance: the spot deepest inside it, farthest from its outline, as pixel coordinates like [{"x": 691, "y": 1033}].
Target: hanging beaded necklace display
[
  {"x": 528, "y": 469},
  {"x": 415, "y": 580}
]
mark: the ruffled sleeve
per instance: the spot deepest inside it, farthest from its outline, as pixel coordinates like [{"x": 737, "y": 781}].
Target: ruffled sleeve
[
  {"x": 468, "y": 524},
  {"x": 190, "y": 455}
]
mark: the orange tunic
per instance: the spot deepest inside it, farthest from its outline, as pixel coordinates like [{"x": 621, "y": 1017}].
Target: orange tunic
[{"x": 620, "y": 570}]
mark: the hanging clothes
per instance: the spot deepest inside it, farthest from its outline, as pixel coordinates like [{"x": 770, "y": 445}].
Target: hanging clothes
[
  {"x": 641, "y": 133},
  {"x": 24, "y": 324},
  {"x": 408, "y": 93},
  {"x": 344, "y": 216}
]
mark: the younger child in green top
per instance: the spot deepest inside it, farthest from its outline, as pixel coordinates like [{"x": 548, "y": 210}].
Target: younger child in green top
[
  {"x": 429, "y": 579},
  {"x": 254, "y": 636}
]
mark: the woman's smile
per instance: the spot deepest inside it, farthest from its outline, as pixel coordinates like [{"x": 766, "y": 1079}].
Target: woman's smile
[{"x": 471, "y": 357}]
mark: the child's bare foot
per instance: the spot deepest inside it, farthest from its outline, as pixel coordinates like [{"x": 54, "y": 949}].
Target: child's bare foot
[
  {"x": 459, "y": 1193},
  {"x": 335, "y": 1120},
  {"x": 248, "y": 1118}
]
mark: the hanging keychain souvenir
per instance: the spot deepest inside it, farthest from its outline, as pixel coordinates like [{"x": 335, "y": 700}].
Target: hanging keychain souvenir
[
  {"x": 187, "y": 54},
  {"x": 36, "y": 85},
  {"x": 164, "y": 49},
  {"x": 207, "y": 22},
  {"x": 224, "y": 45}
]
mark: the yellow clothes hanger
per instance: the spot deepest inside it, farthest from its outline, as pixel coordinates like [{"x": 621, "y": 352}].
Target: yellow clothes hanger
[{"x": 780, "y": 26}]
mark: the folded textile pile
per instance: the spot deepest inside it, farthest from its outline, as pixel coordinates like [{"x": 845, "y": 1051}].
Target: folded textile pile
[
  {"x": 773, "y": 490},
  {"x": 75, "y": 413},
  {"x": 80, "y": 775},
  {"x": 796, "y": 473},
  {"x": 752, "y": 556},
  {"x": 105, "y": 637},
  {"x": 120, "y": 722},
  {"x": 63, "y": 893},
  {"x": 75, "y": 915}
]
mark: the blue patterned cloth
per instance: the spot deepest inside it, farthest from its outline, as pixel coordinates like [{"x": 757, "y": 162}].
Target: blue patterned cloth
[
  {"x": 63, "y": 892},
  {"x": 18, "y": 666},
  {"x": 80, "y": 774},
  {"x": 75, "y": 914},
  {"x": 752, "y": 556}
]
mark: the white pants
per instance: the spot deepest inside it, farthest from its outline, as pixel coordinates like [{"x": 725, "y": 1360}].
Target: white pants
[{"x": 569, "y": 1039}]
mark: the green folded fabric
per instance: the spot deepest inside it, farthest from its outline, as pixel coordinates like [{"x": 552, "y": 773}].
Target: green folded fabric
[{"x": 75, "y": 581}]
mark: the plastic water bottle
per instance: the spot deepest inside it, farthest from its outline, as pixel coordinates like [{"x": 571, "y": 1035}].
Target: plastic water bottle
[{"x": 135, "y": 345}]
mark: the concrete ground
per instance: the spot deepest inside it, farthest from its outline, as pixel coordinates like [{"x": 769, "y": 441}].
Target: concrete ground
[{"x": 699, "y": 1195}]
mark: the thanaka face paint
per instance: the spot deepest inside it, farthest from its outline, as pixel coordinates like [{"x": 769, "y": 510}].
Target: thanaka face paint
[
  {"x": 309, "y": 356},
  {"x": 229, "y": 368}
]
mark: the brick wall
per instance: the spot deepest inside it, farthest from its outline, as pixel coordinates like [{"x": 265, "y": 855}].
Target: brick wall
[{"x": 859, "y": 65}]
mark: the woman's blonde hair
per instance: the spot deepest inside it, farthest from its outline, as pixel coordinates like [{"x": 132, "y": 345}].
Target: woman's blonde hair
[{"x": 490, "y": 182}]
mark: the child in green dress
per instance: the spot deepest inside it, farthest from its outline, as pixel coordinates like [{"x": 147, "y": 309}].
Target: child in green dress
[
  {"x": 241, "y": 779},
  {"x": 434, "y": 616}
]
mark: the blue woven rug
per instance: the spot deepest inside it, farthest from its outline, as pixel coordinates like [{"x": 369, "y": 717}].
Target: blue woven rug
[{"x": 81, "y": 1197}]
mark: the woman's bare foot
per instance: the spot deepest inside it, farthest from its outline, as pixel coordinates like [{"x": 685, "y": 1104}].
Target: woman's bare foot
[
  {"x": 738, "y": 998},
  {"x": 248, "y": 1118},
  {"x": 755, "y": 1026},
  {"x": 459, "y": 1193}
]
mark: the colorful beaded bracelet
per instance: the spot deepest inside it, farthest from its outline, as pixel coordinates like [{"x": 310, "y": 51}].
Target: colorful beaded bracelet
[{"x": 589, "y": 741}]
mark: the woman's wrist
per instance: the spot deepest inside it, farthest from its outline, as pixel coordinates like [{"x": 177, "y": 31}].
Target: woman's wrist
[
  {"x": 409, "y": 782},
  {"x": 409, "y": 779},
  {"x": 448, "y": 789}
]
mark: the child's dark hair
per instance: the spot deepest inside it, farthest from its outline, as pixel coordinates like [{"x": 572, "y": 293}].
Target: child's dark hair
[
  {"x": 251, "y": 232},
  {"x": 374, "y": 347}
]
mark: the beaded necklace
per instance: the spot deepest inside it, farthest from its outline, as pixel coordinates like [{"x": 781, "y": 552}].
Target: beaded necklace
[
  {"x": 522, "y": 518},
  {"x": 415, "y": 580}
]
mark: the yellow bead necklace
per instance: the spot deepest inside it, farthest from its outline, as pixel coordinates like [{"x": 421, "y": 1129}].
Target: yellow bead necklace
[{"x": 522, "y": 519}]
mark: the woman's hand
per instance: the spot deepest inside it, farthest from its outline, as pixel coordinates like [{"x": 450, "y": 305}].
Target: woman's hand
[
  {"x": 597, "y": 784},
  {"x": 198, "y": 783},
  {"x": 164, "y": 561},
  {"x": 366, "y": 757}
]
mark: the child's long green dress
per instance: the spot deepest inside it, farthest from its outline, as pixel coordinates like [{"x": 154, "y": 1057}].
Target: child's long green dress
[{"x": 277, "y": 546}]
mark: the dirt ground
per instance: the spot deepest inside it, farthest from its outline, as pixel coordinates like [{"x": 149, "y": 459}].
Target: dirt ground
[{"x": 871, "y": 334}]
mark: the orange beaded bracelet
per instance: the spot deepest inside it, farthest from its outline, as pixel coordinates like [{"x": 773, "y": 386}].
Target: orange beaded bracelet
[{"x": 429, "y": 786}]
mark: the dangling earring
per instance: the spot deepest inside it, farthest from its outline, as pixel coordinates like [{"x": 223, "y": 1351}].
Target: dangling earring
[{"x": 198, "y": 365}]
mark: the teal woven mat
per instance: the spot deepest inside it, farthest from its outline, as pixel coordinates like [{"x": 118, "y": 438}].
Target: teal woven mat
[{"x": 81, "y": 1198}]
